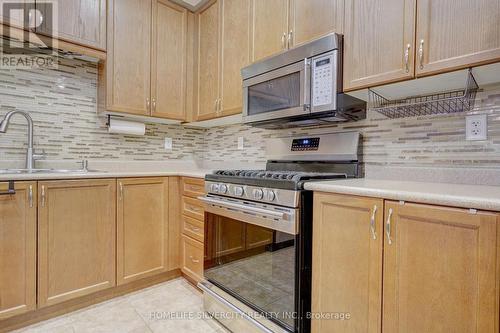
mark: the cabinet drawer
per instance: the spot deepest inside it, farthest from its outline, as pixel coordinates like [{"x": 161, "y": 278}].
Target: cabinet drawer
[
  {"x": 193, "y": 208},
  {"x": 193, "y": 187},
  {"x": 192, "y": 258},
  {"x": 193, "y": 228}
]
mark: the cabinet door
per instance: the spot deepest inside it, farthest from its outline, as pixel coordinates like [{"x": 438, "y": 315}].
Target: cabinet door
[
  {"x": 378, "y": 36},
  {"x": 347, "y": 262},
  {"x": 17, "y": 249},
  {"x": 457, "y": 34},
  {"x": 208, "y": 62},
  {"x": 142, "y": 228},
  {"x": 269, "y": 27},
  {"x": 257, "y": 236},
  {"x": 440, "y": 270},
  {"x": 78, "y": 21},
  {"x": 231, "y": 235},
  {"x": 235, "y": 43},
  {"x": 129, "y": 56},
  {"x": 76, "y": 239},
  {"x": 192, "y": 258},
  {"x": 311, "y": 19},
  {"x": 169, "y": 61}
]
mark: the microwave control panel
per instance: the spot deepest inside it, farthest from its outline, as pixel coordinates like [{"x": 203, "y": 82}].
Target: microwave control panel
[{"x": 322, "y": 80}]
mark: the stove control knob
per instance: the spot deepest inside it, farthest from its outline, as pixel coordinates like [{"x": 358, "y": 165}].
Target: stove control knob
[
  {"x": 258, "y": 194},
  {"x": 223, "y": 188},
  {"x": 270, "y": 196},
  {"x": 238, "y": 191},
  {"x": 214, "y": 188}
]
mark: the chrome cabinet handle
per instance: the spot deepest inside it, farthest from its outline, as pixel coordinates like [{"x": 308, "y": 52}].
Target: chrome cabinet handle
[
  {"x": 30, "y": 196},
  {"x": 290, "y": 39},
  {"x": 388, "y": 226},
  {"x": 407, "y": 58},
  {"x": 372, "y": 223},
  {"x": 193, "y": 208},
  {"x": 421, "y": 54},
  {"x": 195, "y": 229},
  {"x": 283, "y": 41},
  {"x": 121, "y": 191},
  {"x": 194, "y": 260},
  {"x": 43, "y": 196},
  {"x": 148, "y": 104},
  {"x": 216, "y": 105},
  {"x": 154, "y": 104}
]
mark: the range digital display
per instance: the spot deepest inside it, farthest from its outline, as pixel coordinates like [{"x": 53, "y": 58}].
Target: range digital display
[{"x": 305, "y": 144}]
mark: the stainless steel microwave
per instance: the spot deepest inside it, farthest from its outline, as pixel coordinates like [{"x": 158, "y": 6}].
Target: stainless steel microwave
[{"x": 299, "y": 87}]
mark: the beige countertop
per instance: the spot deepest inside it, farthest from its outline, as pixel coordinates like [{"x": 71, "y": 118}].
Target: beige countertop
[
  {"x": 111, "y": 169},
  {"x": 455, "y": 195},
  {"x": 104, "y": 174}
]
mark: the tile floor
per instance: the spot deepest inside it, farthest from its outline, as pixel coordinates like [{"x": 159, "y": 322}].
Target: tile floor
[{"x": 146, "y": 311}]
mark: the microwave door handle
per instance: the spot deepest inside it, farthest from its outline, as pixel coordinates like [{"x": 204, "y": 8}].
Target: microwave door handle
[{"x": 307, "y": 84}]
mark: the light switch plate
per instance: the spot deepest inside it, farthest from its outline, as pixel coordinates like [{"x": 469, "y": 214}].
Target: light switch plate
[
  {"x": 241, "y": 143},
  {"x": 476, "y": 127},
  {"x": 168, "y": 144}
]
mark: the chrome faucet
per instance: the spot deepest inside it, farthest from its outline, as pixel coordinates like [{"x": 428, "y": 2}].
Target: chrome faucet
[{"x": 31, "y": 157}]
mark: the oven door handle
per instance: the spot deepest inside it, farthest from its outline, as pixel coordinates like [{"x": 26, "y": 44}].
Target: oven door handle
[{"x": 242, "y": 208}]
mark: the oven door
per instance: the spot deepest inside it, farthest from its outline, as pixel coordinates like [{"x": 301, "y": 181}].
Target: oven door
[
  {"x": 251, "y": 254},
  {"x": 281, "y": 93}
]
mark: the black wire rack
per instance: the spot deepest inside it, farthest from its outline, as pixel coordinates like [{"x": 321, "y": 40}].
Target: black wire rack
[{"x": 454, "y": 101}]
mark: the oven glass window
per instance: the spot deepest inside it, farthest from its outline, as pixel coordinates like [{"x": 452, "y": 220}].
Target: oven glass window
[
  {"x": 277, "y": 94},
  {"x": 254, "y": 264}
]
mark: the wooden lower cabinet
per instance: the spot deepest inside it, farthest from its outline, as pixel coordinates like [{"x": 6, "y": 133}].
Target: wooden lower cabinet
[
  {"x": 440, "y": 270},
  {"x": 192, "y": 258},
  {"x": 17, "y": 249},
  {"x": 347, "y": 263},
  {"x": 142, "y": 228},
  {"x": 440, "y": 267},
  {"x": 76, "y": 239},
  {"x": 192, "y": 214}
]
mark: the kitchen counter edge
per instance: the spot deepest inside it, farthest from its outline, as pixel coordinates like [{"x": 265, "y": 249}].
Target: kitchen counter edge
[
  {"x": 481, "y": 197},
  {"x": 100, "y": 175}
]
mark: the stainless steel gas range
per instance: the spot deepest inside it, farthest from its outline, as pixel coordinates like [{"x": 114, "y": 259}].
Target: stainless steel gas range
[{"x": 258, "y": 233}]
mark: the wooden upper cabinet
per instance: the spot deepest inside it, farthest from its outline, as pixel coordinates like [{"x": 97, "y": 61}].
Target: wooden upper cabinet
[
  {"x": 440, "y": 270},
  {"x": 269, "y": 27},
  {"x": 129, "y": 56},
  {"x": 142, "y": 228},
  {"x": 208, "y": 61},
  {"x": 78, "y": 21},
  {"x": 235, "y": 53},
  {"x": 378, "y": 42},
  {"x": 456, "y": 34},
  {"x": 169, "y": 61},
  {"x": 17, "y": 249},
  {"x": 313, "y": 19},
  {"x": 76, "y": 239},
  {"x": 347, "y": 262}
]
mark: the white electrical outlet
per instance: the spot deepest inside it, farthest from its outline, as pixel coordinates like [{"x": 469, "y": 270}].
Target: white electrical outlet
[
  {"x": 168, "y": 144},
  {"x": 476, "y": 127},
  {"x": 241, "y": 143}
]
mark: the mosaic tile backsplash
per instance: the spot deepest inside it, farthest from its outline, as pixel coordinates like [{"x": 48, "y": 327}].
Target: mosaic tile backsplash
[
  {"x": 437, "y": 141},
  {"x": 63, "y": 105}
]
